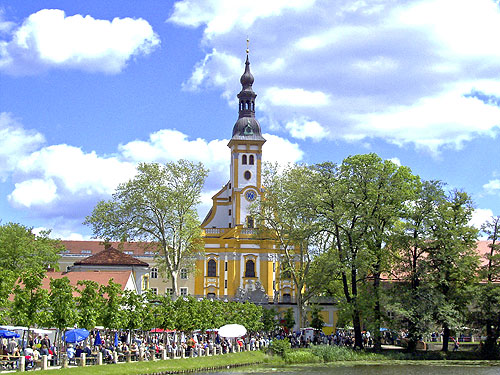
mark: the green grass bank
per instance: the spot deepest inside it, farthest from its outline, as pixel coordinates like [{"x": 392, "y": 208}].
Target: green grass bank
[{"x": 171, "y": 365}]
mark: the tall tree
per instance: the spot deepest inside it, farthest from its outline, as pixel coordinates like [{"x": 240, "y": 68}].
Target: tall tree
[
  {"x": 286, "y": 214},
  {"x": 111, "y": 313},
  {"x": 21, "y": 250},
  {"x": 412, "y": 295},
  {"x": 62, "y": 306},
  {"x": 487, "y": 302},
  {"x": 88, "y": 304},
  {"x": 359, "y": 202},
  {"x": 31, "y": 301},
  {"x": 453, "y": 259},
  {"x": 159, "y": 206}
]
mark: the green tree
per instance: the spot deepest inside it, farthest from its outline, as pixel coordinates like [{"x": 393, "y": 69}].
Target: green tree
[
  {"x": 288, "y": 319},
  {"x": 358, "y": 203},
  {"x": 286, "y": 215},
  {"x": 133, "y": 305},
  {"x": 111, "y": 315},
  {"x": 88, "y": 304},
  {"x": 412, "y": 297},
  {"x": 62, "y": 306},
  {"x": 487, "y": 302},
  {"x": 269, "y": 320},
  {"x": 317, "y": 321},
  {"x": 453, "y": 260},
  {"x": 159, "y": 206},
  {"x": 31, "y": 301},
  {"x": 22, "y": 250}
]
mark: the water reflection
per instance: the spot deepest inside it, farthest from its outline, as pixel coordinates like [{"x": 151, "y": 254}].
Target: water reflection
[{"x": 367, "y": 370}]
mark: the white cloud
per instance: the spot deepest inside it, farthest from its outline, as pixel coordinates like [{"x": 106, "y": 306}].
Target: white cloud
[
  {"x": 34, "y": 192},
  {"x": 172, "y": 145},
  {"x": 64, "y": 181},
  {"x": 492, "y": 187},
  {"x": 221, "y": 16},
  {"x": 396, "y": 71},
  {"x": 448, "y": 119},
  {"x": 63, "y": 234},
  {"x": 50, "y": 39},
  {"x": 62, "y": 175},
  {"x": 295, "y": 97},
  {"x": 480, "y": 216},
  {"x": 280, "y": 150},
  {"x": 303, "y": 128},
  {"x": 228, "y": 69},
  {"x": 15, "y": 143},
  {"x": 396, "y": 161}
]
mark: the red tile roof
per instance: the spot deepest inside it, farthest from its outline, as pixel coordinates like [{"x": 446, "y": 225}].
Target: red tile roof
[
  {"x": 111, "y": 256},
  {"x": 94, "y": 247},
  {"x": 100, "y": 277}
]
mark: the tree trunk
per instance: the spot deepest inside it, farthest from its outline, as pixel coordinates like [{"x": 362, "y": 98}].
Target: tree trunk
[
  {"x": 446, "y": 337},
  {"x": 376, "y": 310},
  {"x": 490, "y": 348},
  {"x": 356, "y": 319},
  {"x": 300, "y": 307},
  {"x": 174, "y": 284}
]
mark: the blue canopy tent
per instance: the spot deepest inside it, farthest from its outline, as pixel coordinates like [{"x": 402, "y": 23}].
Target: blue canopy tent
[
  {"x": 76, "y": 335},
  {"x": 8, "y": 334}
]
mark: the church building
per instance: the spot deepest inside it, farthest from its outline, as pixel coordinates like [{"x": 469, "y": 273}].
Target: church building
[{"x": 237, "y": 265}]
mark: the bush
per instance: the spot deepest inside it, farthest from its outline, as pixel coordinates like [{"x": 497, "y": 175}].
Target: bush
[
  {"x": 300, "y": 356},
  {"x": 280, "y": 347},
  {"x": 342, "y": 353}
]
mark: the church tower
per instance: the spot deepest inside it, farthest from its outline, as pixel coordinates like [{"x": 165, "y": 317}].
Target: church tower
[
  {"x": 236, "y": 265},
  {"x": 246, "y": 154}
]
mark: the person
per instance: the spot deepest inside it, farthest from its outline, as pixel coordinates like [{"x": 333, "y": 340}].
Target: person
[
  {"x": 456, "y": 346},
  {"x": 12, "y": 345},
  {"x": 45, "y": 341},
  {"x": 70, "y": 352}
]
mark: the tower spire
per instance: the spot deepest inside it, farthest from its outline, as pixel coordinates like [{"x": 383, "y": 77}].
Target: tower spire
[{"x": 247, "y": 126}]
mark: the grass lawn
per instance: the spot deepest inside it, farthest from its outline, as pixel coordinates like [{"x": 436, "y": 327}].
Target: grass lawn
[{"x": 168, "y": 365}]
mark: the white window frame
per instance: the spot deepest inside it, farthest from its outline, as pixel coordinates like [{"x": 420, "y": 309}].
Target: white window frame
[
  {"x": 184, "y": 274},
  {"x": 183, "y": 292},
  {"x": 154, "y": 273}
]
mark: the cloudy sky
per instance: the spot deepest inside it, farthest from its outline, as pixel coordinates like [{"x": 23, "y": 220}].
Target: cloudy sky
[{"x": 90, "y": 88}]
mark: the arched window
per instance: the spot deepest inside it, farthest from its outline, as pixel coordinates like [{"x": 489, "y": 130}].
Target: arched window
[
  {"x": 210, "y": 295},
  {"x": 244, "y": 159},
  {"x": 287, "y": 298},
  {"x": 251, "y": 159},
  {"x": 212, "y": 268},
  {"x": 250, "y": 268}
]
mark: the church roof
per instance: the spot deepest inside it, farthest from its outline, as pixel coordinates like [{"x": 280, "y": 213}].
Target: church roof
[
  {"x": 247, "y": 127},
  {"x": 111, "y": 256}
]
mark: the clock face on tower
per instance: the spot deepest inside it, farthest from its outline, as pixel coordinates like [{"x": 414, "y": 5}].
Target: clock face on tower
[{"x": 250, "y": 195}]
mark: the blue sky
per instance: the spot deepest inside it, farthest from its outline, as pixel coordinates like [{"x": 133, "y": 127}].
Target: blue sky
[{"x": 90, "y": 88}]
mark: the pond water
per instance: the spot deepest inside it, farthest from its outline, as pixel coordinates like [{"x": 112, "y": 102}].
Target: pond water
[{"x": 368, "y": 370}]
